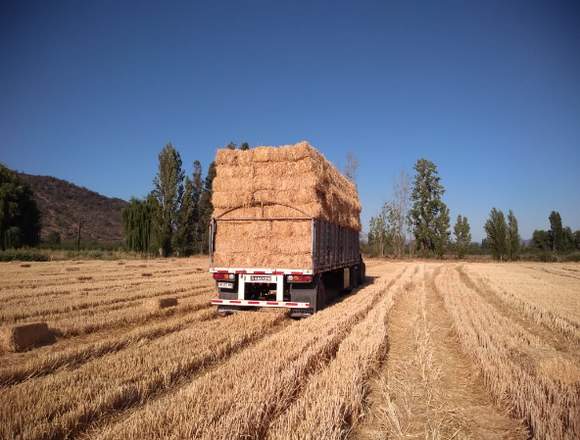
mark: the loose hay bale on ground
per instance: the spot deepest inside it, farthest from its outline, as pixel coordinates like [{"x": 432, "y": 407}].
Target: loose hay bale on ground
[
  {"x": 160, "y": 303},
  {"x": 26, "y": 336}
]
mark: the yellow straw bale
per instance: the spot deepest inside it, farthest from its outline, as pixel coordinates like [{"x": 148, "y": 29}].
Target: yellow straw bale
[
  {"x": 296, "y": 175},
  {"x": 160, "y": 303},
  {"x": 23, "y": 337}
]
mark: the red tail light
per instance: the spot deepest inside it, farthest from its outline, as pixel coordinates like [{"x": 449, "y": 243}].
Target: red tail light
[
  {"x": 299, "y": 278},
  {"x": 223, "y": 276}
]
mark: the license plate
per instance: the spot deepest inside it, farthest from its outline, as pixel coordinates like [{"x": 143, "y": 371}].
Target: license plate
[
  {"x": 225, "y": 285},
  {"x": 261, "y": 278}
]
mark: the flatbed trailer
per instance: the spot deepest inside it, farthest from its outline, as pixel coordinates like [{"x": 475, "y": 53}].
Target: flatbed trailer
[{"x": 335, "y": 266}]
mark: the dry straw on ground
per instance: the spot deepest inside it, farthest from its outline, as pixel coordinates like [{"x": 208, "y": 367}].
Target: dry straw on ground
[{"x": 277, "y": 182}]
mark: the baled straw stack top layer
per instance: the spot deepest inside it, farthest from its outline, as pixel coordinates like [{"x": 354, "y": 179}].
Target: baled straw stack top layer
[{"x": 295, "y": 175}]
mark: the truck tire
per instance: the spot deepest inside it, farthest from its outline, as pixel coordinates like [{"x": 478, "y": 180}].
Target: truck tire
[
  {"x": 320, "y": 296},
  {"x": 362, "y": 273}
]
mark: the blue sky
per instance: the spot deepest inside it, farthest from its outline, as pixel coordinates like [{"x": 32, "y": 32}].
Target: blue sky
[{"x": 489, "y": 91}]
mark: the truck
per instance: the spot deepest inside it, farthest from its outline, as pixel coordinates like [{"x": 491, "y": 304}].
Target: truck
[{"x": 283, "y": 248}]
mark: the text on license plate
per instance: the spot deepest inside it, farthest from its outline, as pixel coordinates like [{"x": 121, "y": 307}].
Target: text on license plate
[
  {"x": 226, "y": 285},
  {"x": 263, "y": 278}
]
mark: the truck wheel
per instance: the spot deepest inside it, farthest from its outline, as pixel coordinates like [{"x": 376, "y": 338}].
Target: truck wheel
[
  {"x": 362, "y": 273},
  {"x": 320, "y": 295}
]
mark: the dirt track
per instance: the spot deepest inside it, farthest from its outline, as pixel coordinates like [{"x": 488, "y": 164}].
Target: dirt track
[{"x": 426, "y": 350}]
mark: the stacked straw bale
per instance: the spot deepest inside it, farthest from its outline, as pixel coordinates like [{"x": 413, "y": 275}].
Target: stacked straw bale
[{"x": 277, "y": 182}]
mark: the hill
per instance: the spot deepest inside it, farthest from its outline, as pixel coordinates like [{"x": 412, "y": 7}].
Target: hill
[{"x": 63, "y": 204}]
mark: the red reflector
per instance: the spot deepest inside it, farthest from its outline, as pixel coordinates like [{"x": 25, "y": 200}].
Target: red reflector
[
  {"x": 216, "y": 301},
  {"x": 259, "y": 272},
  {"x": 240, "y": 271},
  {"x": 272, "y": 303},
  {"x": 291, "y": 304},
  {"x": 235, "y": 301},
  {"x": 300, "y": 278},
  {"x": 253, "y": 302},
  {"x": 220, "y": 276}
]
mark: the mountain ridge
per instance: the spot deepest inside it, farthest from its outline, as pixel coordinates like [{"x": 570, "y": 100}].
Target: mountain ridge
[{"x": 64, "y": 204}]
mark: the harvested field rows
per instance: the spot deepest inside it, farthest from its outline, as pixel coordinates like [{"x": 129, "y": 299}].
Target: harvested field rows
[{"x": 424, "y": 350}]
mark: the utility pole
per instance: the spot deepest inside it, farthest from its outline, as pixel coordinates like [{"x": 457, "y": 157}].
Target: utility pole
[{"x": 79, "y": 236}]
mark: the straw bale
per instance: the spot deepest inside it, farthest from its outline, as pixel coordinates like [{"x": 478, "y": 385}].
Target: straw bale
[
  {"x": 296, "y": 175},
  {"x": 277, "y": 182},
  {"x": 160, "y": 303},
  {"x": 23, "y": 337}
]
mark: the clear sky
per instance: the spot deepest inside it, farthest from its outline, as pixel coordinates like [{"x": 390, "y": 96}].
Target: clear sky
[{"x": 489, "y": 91}]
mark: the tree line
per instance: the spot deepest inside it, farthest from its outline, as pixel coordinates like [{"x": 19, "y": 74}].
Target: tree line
[
  {"x": 174, "y": 218},
  {"x": 416, "y": 221}
]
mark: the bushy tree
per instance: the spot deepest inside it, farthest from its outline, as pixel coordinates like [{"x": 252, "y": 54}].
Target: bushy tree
[
  {"x": 429, "y": 216},
  {"x": 577, "y": 239},
  {"x": 462, "y": 232},
  {"x": 496, "y": 230},
  {"x": 168, "y": 190},
  {"x": 568, "y": 242},
  {"x": 541, "y": 240},
  {"x": 245, "y": 146},
  {"x": 513, "y": 236},
  {"x": 19, "y": 215}
]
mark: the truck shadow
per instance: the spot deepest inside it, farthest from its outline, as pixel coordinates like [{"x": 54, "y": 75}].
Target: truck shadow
[{"x": 337, "y": 297}]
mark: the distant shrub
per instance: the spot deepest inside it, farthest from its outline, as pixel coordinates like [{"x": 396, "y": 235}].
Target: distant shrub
[{"x": 22, "y": 255}]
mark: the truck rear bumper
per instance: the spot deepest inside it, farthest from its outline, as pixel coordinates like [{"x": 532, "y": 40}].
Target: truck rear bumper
[{"x": 256, "y": 303}]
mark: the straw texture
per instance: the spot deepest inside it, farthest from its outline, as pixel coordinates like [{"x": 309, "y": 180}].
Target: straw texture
[{"x": 283, "y": 183}]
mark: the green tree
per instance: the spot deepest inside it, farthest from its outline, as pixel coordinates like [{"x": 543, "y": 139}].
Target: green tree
[
  {"x": 568, "y": 242},
  {"x": 231, "y": 146},
  {"x": 245, "y": 146},
  {"x": 429, "y": 216},
  {"x": 556, "y": 231},
  {"x": 462, "y": 233},
  {"x": 19, "y": 215},
  {"x": 139, "y": 224},
  {"x": 442, "y": 233},
  {"x": 577, "y": 239},
  {"x": 496, "y": 230},
  {"x": 197, "y": 182},
  {"x": 185, "y": 230},
  {"x": 206, "y": 207},
  {"x": 541, "y": 240},
  {"x": 513, "y": 236},
  {"x": 168, "y": 190}
]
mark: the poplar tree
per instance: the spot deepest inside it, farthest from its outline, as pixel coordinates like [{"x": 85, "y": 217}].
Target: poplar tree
[
  {"x": 206, "y": 207},
  {"x": 184, "y": 234},
  {"x": 556, "y": 231},
  {"x": 168, "y": 190},
  {"x": 462, "y": 233},
  {"x": 197, "y": 183},
  {"x": 429, "y": 216},
  {"x": 496, "y": 230},
  {"x": 513, "y": 236}
]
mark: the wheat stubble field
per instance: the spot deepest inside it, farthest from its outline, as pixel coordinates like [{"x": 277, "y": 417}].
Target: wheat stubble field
[{"x": 425, "y": 350}]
